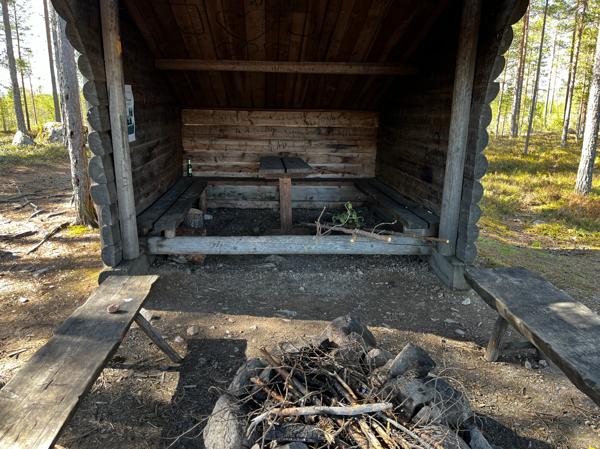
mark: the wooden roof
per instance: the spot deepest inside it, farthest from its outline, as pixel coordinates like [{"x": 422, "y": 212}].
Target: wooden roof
[{"x": 355, "y": 31}]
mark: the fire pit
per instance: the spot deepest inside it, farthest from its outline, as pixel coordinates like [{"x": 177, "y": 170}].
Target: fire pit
[{"x": 340, "y": 390}]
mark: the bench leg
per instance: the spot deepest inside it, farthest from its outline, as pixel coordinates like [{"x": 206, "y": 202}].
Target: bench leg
[
  {"x": 157, "y": 339},
  {"x": 495, "y": 343},
  {"x": 203, "y": 202},
  {"x": 285, "y": 204}
]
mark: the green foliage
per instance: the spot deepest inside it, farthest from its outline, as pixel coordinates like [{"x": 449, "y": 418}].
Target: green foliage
[
  {"x": 539, "y": 187},
  {"x": 40, "y": 154},
  {"x": 350, "y": 216}
]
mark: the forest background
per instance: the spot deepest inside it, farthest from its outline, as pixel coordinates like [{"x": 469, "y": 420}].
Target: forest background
[{"x": 529, "y": 197}]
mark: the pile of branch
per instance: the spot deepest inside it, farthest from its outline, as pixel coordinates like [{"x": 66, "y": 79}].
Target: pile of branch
[{"x": 317, "y": 399}]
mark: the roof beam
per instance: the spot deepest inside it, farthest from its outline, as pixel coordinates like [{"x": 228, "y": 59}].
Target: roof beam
[{"x": 326, "y": 68}]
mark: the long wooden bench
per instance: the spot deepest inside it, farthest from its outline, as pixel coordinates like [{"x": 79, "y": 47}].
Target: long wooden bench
[
  {"x": 170, "y": 209},
  {"x": 563, "y": 329},
  {"x": 37, "y": 403},
  {"x": 414, "y": 218}
]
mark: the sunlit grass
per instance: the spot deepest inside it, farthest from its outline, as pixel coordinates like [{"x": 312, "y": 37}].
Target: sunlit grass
[
  {"x": 540, "y": 186},
  {"x": 27, "y": 155}
]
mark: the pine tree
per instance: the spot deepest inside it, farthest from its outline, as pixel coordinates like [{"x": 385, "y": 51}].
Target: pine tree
[
  {"x": 516, "y": 109},
  {"x": 50, "y": 57},
  {"x": 12, "y": 66}
]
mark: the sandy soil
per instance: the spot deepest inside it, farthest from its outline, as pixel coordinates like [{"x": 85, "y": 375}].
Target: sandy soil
[{"x": 242, "y": 303}]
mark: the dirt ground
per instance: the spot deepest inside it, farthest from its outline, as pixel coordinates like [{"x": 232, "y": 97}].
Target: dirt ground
[{"x": 243, "y": 303}]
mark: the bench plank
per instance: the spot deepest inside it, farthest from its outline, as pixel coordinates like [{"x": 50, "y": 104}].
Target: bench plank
[
  {"x": 176, "y": 213},
  {"x": 146, "y": 220},
  {"x": 39, "y": 400},
  {"x": 404, "y": 216},
  {"x": 296, "y": 165},
  {"x": 566, "y": 331},
  {"x": 271, "y": 165},
  {"x": 432, "y": 219}
]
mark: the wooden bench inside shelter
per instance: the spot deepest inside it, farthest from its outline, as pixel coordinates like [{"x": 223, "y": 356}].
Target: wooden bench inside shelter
[
  {"x": 171, "y": 208},
  {"x": 564, "y": 330},
  {"x": 37, "y": 403}
]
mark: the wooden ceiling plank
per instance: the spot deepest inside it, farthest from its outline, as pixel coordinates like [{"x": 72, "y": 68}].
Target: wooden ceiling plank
[
  {"x": 405, "y": 52},
  {"x": 393, "y": 28},
  {"x": 299, "y": 18},
  {"x": 216, "y": 23},
  {"x": 317, "y": 10},
  {"x": 201, "y": 27},
  {"x": 172, "y": 34},
  {"x": 271, "y": 39},
  {"x": 283, "y": 48},
  {"x": 233, "y": 16},
  {"x": 183, "y": 18},
  {"x": 255, "y": 32},
  {"x": 140, "y": 22}
]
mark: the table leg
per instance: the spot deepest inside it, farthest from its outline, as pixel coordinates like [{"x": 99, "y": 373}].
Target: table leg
[
  {"x": 495, "y": 343},
  {"x": 285, "y": 204}
]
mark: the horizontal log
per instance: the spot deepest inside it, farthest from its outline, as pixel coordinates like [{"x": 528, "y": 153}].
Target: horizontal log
[
  {"x": 103, "y": 194},
  {"x": 100, "y": 169},
  {"x": 95, "y": 93},
  {"x": 320, "y": 170},
  {"x": 112, "y": 255},
  {"x": 237, "y": 157},
  {"x": 278, "y": 132},
  {"x": 100, "y": 143},
  {"x": 288, "y": 244},
  {"x": 472, "y": 191},
  {"x": 260, "y": 181},
  {"x": 238, "y": 204},
  {"x": 466, "y": 251},
  {"x": 258, "y": 117},
  {"x": 108, "y": 214},
  {"x": 110, "y": 235},
  {"x": 271, "y": 193},
  {"x": 92, "y": 67},
  {"x": 276, "y": 146},
  {"x": 325, "y": 68},
  {"x": 98, "y": 118}
]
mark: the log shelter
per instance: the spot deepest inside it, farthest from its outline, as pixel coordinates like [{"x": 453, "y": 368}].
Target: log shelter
[{"x": 387, "y": 100}]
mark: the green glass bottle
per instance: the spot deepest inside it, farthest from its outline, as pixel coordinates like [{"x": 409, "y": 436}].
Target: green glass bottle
[{"x": 190, "y": 167}]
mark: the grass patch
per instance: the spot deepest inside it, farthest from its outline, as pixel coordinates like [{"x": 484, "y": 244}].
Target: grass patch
[
  {"x": 27, "y": 155},
  {"x": 539, "y": 186},
  {"x": 77, "y": 230}
]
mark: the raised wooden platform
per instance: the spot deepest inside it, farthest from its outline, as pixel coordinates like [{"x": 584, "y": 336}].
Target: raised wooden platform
[
  {"x": 36, "y": 404},
  {"x": 566, "y": 331},
  {"x": 170, "y": 209}
]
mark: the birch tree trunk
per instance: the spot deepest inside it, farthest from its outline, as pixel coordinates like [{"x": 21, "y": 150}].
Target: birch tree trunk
[
  {"x": 537, "y": 80},
  {"x": 516, "y": 109},
  {"x": 585, "y": 174},
  {"x": 12, "y": 65},
  {"x": 550, "y": 78},
  {"x": 33, "y": 101},
  {"x": 50, "y": 57},
  {"x": 571, "y": 86},
  {"x": 500, "y": 104},
  {"x": 71, "y": 112}
]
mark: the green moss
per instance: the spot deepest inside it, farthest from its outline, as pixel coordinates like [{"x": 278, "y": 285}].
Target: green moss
[{"x": 77, "y": 230}]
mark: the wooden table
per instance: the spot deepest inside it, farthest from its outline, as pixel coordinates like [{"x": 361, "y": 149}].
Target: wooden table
[{"x": 284, "y": 169}]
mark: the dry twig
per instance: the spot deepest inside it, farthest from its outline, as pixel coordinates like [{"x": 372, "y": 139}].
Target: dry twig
[{"x": 53, "y": 231}]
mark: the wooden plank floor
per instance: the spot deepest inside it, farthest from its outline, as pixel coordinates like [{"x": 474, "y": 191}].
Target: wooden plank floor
[
  {"x": 566, "y": 331},
  {"x": 38, "y": 401}
]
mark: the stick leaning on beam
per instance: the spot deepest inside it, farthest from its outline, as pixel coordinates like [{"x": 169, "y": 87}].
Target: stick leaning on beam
[{"x": 370, "y": 233}]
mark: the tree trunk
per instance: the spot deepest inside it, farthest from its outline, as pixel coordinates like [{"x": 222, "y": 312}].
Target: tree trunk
[
  {"x": 525, "y": 93},
  {"x": 3, "y": 113},
  {"x": 500, "y": 102},
  {"x": 571, "y": 81},
  {"x": 550, "y": 78},
  {"x": 33, "y": 102},
  {"x": 22, "y": 76},
  {"x": 578, "y": 133},
  {"x": 516, "y": 109},
  {"x": 537, "y": 80},
  {"x": 71, "y": 112},
  {"x": 585, "y": 174},
  {"x": 54, "y": 92},
  {"x": 12, "y": 65}
]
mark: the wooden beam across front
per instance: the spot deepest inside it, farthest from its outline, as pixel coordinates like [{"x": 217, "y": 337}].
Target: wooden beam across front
[{"x": 324, "y": 68}]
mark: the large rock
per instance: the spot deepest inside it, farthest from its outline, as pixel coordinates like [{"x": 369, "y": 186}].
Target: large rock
[
  {"x": 476, "y": 438},
  {"x": 241, "y": 384},
  {"x": 412, "y": 358},
  {"x": 226, "y": 428},
  {"x": 378, "y": 357},
  {"x": 445, "y": 437},
  {"x": 294, "y": 347},
  {"x": 340, "y": 328},
  {"x": 408, "y": 393},
  {"x": 22, "y": 139},
  {"x": 52, "y": 132},
  {"x": 455, "y": 405}
]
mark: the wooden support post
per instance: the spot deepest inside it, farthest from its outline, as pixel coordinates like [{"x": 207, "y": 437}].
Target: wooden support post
[
  {"x": 157, "y": 338},
  {"x": 459, "y": 124},
  {"x": 285, "y": 204},
  {"x": 495, "y": 344},
  {"x": 115, "y": 82}
]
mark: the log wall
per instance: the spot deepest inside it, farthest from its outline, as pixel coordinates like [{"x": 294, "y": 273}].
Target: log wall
[
  {"x": 228, "y": 142},
  {"x": 156, "y": 151}
]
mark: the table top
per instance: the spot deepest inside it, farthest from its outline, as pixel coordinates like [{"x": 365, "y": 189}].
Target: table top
[{"x": 275, "y": 165}]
